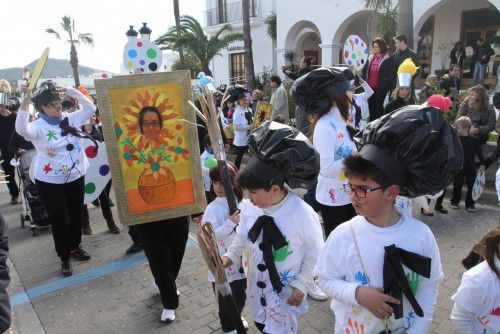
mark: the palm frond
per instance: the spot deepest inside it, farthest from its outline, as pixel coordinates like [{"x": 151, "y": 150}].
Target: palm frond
[
  {"x": 271, "y": 23},
  {"x": 86, "y": 38},
  {"x": 52, "y": 31},
  {"x": 66, "y": 23}
]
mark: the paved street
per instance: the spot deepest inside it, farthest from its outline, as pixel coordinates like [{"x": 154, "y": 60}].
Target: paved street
[{"x": 114, "y": 293}]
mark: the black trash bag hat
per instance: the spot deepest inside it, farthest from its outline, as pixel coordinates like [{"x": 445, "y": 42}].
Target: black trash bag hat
[
  {"x": 314, "y": 91},
  {"x": 282, "y": 154},
  {"x": 236, "y": 92},
  {"x": 415, "y": 147},
  {"x": 45, "y": 93}
]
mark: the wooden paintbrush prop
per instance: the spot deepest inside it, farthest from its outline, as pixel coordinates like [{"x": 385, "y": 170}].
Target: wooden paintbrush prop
[{"x": 210, "y": 252}]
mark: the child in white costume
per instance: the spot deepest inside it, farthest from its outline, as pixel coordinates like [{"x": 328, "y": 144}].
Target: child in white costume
[
  {"x": 477, "y": 301},
  {"x": 382, "y": 268},
  {"x": 279, "y": 235},
  {"x": 224, "y": 225}
]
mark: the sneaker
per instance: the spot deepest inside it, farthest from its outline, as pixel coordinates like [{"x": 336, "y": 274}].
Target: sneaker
[
  {"x": 167, "y": 315},
  {"x": 471, "y": 209},
  {"x": 66, "y": 268},
  {"x": 454, "y": 206},
  {"x": 245, "y": 323},
  {"x": 315, "y": 292},
  {"x": 440, "y": 209},
  {"x": 14, "y": 200},
  {"x": 79, "y": 254},
  {"x": 134, "y": 248}
]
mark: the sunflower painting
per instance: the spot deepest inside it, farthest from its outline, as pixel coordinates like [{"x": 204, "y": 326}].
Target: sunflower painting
[{"x": 155, "y": 144}]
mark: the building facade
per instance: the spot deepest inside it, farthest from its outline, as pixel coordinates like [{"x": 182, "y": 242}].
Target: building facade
[{"x": 318, "y": 28}]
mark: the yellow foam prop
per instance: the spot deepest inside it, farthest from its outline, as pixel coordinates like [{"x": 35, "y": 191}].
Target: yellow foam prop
[{"x": 407, "y": 66}]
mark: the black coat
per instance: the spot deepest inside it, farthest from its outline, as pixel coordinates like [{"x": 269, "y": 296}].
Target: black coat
[
  {"x": 4, "y": 278},
  {"x": 480, "y": 51},
  {"x": 385, "y": 78},
  {"x": 395, "y": 105},
  {"x": 298, "y": 74},
  {"x": 455, "y": 59},
  {"x": 447, "y": 82},
  {"x": 398, "y": 57}
]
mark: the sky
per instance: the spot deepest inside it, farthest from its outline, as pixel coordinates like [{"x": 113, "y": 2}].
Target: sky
[{"x": 24, "y": 38}]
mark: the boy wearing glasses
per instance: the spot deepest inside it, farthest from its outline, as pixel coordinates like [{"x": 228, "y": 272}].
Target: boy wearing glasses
[{"x": 382, "y": 268}]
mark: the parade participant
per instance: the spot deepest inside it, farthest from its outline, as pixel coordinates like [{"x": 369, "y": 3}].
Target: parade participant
[
  {"x": 241, "y": 124},
  {"x": 361, "y": 264},
  {"x": 5, "y": 311},
  {"x": 280, "y": 249},
  {"x": 60, "y": 165},
  {"x": 301, "y": 120},
  {"x": 208, "y": 152},
  {"x": 224, "y": 225},
  {"x": 480, "y": 59},
  {"x": 430, "y": 85},
  {"x": 377, "y": 72},
  {"x": 477, "y": 300},
  {"x": 279, "y": 98},
  {"x": 477, "y": 107},
  {"x": 457, "y": 55},
  {"x": 323, "y": 93},
  {"x": 104, "y": 201},
  {"x": 164, "y": 243},
  {"x": 359, "y": 110},
  {"x": 7, "y": 125},
  {"x": 402, "y": 94},
  {"x": 451, "y": 82},
  {"x": 472, "y": 149}
]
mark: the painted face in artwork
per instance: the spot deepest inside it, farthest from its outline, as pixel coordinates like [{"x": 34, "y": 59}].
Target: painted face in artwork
[{"x": 151, "y": 125}]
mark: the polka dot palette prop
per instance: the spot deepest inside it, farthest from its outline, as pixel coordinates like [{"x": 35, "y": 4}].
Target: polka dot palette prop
[
  {"x": 98, "y": 173},
  {"x": 141, "y": 54},
  {"x": 355, "y": 52}
]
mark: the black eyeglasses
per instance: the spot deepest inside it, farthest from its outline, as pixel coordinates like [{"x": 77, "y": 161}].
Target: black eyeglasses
[{"x": 359, "y": 192}]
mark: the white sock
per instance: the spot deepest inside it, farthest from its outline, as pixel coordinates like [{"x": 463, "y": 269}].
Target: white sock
[{"x": 167, "y": 315}]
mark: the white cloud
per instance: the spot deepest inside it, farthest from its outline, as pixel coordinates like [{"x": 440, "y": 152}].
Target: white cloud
[{"x": 24, "y": 37}]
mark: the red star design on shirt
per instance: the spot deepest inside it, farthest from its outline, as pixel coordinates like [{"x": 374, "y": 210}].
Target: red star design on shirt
[{"x": 47, "y": 168}]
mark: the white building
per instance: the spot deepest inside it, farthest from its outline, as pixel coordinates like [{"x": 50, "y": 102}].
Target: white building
[{"x": 318, "y": 28}]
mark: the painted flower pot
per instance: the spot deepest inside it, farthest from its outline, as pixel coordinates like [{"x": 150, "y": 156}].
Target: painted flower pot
[{"x": 157, "y": 187}]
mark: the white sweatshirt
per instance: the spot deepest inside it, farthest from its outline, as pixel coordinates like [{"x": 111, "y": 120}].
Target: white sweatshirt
[
  {"x": 59, "y": 159},
  {"x": 340, "y": 272}
]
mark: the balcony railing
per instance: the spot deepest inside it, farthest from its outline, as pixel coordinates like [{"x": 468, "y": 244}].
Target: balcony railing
[{"x": 231, "y": 12}]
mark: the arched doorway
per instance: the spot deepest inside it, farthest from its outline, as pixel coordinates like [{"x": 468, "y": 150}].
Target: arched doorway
[{"x": 304, "y": 39}]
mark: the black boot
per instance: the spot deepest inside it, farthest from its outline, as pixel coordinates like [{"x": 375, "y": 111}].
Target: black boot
[{"x": 108, "y": 216}]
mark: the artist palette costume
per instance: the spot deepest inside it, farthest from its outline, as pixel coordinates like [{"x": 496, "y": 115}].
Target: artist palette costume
[
  {"x": 278, "y": 248},
  {"x": 416, "y": 149}
]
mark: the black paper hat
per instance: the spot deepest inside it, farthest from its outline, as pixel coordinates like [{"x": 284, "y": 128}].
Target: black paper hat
[
  {"x": 415, "y": 147},
  {"x": 314, "y": 91},
  {"x": 282, "y": 154},
  {"x": 45, "y": 93},
  {"x": 236, "y": 92}
]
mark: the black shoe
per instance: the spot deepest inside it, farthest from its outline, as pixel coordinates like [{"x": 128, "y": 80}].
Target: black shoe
[
  {"x": 79, "y": 255},
  {"x": 96, "y": 202},
  {"x": 66, "y": 268},
  {"x": 440, "y": 209},
  {"x": 14, "y": 200},
  {"x": 87, "y": 230},
  {"x": 429, "y": 214},
  {"x": 134, "y": 248},
  {"x": 114, "y": 229},
  {"x": 111, "y": 203}
]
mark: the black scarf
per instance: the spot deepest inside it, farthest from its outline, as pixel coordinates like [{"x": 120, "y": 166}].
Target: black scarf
[
  {"x": 272, "y": 238},
  {"x": 395, "y": 281}
]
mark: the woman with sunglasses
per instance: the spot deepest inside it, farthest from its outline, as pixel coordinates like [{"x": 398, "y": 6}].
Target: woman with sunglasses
[
  {"x": 60, "y": 164},
  {"x": 401, "y": 97}
]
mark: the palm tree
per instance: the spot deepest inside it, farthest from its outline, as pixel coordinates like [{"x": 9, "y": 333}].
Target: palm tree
[
  {"x": 249, "y": 69},
  {"x": 272, "y": 31},
  {"x": 192, "y": 39},
  {"x": 392, "y": 19},
  {"x": 75, "y": 39},
  {"x": 178, "y": 26}
]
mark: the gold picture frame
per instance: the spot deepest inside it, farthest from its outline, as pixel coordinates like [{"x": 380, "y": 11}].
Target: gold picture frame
[
  {"x": 152, "y": 143},
  {"x": 263, "y": 113}
]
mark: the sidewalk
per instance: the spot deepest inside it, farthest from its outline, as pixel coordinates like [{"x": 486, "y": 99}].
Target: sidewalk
[{"x": 114, "y": 293}]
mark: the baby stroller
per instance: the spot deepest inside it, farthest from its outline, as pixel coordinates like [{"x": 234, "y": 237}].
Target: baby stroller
[{"x": 33, "y": 209}]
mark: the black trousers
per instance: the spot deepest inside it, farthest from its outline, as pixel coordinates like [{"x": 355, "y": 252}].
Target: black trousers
[
  {"x": 240, "y": 150},
  {"x": 11, "y": 172},
  {"x": 376, "y": 104},
  {"x": 164, "y": 243},
  {"x": 238, "y": 289},
  {"x": 333, "y": 216},
  {"x": 64, "y": 204},
  {"x": 469, "y": 176}
]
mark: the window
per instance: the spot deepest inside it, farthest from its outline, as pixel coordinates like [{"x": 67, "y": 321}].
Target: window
[
  {"x": 222, "y": 11},
  {"x": 237, "y": 68}
]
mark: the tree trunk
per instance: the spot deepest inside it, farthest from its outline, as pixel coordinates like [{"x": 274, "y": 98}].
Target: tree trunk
[
  {"x": 74, "y": 64},
  {"x": 405, "y": 20},
  {"x": 249, "y": 70},
  {"x": 206, "y": 71},
  {"x": 178, "y": 25}
]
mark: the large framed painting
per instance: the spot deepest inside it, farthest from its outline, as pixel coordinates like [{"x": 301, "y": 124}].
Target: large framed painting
[
  {"x": 152, "y": 144},
  {"x": 263, "y": 113}
]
